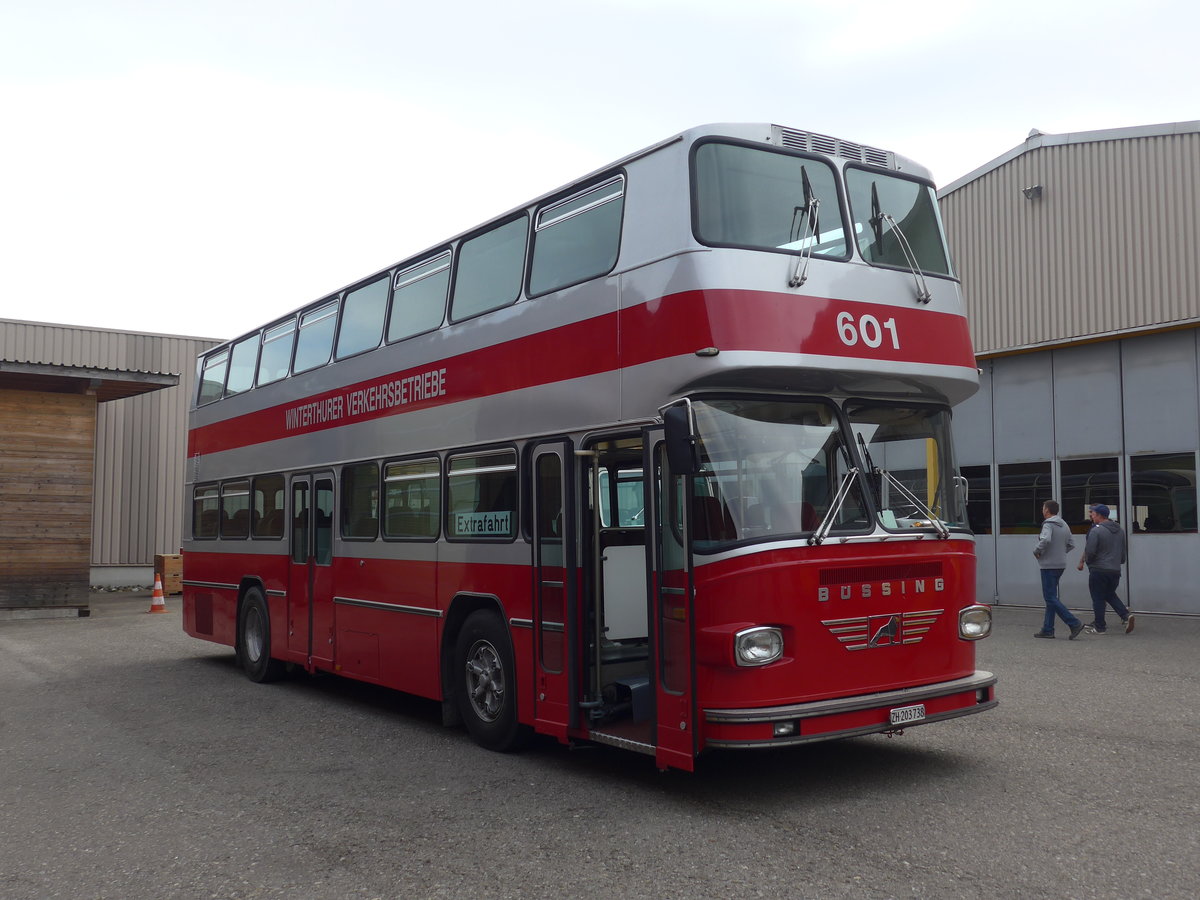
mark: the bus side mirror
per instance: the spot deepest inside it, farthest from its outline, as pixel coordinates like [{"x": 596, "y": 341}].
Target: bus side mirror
[
  {"x": 681, "y": 443},
  {"x": 962, "y": 487}
]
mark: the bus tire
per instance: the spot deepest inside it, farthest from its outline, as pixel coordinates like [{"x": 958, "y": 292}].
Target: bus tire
[
  {"x": 254, "y": 639},
  {"x": 485, "y": 682}
]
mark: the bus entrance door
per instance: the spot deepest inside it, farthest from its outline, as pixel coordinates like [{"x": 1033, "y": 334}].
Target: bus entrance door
[
  {"x": 672, "y": 609},
  {"x": 310, "y": 575},
  {"x": 556, "y": 586}
]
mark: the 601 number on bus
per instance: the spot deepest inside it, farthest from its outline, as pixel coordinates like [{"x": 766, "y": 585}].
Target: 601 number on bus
[{"x": 867, "y": 329}]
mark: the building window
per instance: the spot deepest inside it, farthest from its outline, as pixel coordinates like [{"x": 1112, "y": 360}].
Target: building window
[
  {"x": 482, "y": 496},
  {"x": 235, "y": 509},
  {"x": 490, "y": 267},
  {"x": 315, "y": 340},
  {"x": 363, "y": 312},
  {"x": 360, "y": 501},
  {"x": 419, "y": 298},
  {"x": 266, "y": 516},
  {"x": 1163, "y": 489},
  {"x": 412, "y": 498},
  {"x": 1086, "y": 482},
  {"x": 1022, "y": 488},
  {"x": 206, "y": 511},
  {"x": 577, "y": 238},
  {"x": 276, "y": 354},
  {"x": 979, "y": 498}
]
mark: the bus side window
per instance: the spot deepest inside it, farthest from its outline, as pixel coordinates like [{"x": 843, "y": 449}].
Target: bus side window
[
  {"x": 482, "y": 494},
  {"x": 276, "y": 355},
  {"x": 315, "y": 340},
  {"x": 242, "y": 363},
  {"x": 212, "y": 377},
  {"x": 360, "y": 501},
  {"x": 419, "y": 298},
  {"x": 412, "y": 499},
  {"x": 266, "y": 511},
  {"x": 206, "y": 511},
  {"x": 235, "y": 509},
  {"x": 490, "y": 269},
  {"x": 362, "y": 318},
  {"x": 577, "y": 238}
]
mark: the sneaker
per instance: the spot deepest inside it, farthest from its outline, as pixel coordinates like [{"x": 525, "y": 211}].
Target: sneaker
[
  {"x": 1076, "y": 630},
  {"x": 1092, "y": 629},
  {"x": 1129, "y": 623},
  {"x": 1044, "y": 634}
]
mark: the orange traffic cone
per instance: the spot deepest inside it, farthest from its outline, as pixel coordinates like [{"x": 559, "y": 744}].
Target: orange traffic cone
[{"x": 157, "y": 603}]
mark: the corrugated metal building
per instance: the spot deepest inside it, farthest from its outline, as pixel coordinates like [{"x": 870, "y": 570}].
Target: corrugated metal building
[
  {"x": 140, "y": 441},
  {"x": 1078, "y": 255}
]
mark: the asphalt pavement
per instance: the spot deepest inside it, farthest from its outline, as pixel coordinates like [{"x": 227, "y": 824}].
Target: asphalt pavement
[{"x": 138, "y": 762}]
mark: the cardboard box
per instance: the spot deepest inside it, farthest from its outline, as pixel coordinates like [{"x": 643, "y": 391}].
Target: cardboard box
[{"x": 169, "y": 567}]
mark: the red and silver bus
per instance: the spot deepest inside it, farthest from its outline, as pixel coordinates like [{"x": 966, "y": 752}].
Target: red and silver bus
[{"x": 660, "y": 460}]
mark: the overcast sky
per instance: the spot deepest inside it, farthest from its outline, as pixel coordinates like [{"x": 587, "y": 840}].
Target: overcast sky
[{"x": 200, "y": 168}]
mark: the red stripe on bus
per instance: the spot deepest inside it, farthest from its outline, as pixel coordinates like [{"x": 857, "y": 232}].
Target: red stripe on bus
[{"x": 675, "y": 325}]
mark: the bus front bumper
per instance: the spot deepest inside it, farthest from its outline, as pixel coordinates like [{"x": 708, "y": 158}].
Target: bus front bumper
[{"x": 823, "y": 720}]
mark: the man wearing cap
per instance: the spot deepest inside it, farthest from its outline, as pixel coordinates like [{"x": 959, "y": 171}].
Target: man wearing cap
[{"x": 1104, "y": 554}]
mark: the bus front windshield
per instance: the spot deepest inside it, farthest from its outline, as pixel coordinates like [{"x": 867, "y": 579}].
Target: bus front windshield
[
  {"x": 894, "y": 217},
  {"x": 767, "y": 200},
  {"x": 910, "y": 464},
  {"x": 769, "y": 468}
]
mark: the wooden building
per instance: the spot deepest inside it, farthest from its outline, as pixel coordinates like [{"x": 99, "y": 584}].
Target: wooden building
[{"x": 92, "y": 444}]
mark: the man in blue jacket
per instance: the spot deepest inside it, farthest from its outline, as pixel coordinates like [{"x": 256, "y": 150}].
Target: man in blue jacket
[
  {"x": 1104, "y": 554},
  {"x": 1054, "y": 543}
]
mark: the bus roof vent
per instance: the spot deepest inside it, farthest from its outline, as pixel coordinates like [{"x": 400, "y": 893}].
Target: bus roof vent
[{"x": 823, "y": 143}]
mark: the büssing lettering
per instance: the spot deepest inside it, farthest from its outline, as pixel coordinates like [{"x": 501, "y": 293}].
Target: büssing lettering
[{"x": 866, "y": 590}]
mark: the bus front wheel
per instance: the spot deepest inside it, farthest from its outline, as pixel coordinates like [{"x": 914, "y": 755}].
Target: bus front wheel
[
  {"x": 486, "y": 682},
  {"x": 254, "y": 639}
]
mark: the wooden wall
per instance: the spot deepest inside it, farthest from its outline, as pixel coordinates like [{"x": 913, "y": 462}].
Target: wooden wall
[{"x": 47, "y": 452}]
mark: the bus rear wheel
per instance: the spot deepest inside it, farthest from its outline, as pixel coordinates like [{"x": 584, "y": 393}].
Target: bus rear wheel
[
  {"x": 254, "y": 639},
  {"x": 486, "y": 682}
]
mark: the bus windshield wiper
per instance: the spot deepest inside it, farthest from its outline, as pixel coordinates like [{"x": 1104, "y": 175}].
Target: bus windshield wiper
[
  {"x": 839, "y": 500},
  {"x": 938, "y": 525},
  {"x": 878, "y": 218},
  {"x": 806, "y": 226}
]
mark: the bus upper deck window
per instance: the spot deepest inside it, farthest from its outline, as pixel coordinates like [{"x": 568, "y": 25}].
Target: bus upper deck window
[
  {"x": 419, "y": 298},
  {"x": 242, "y": 362},
  {"x": 577, "y": 238},
  {"x": 212, "y": 376},
  {"x": 362, "y": 318},
  {"x": 490, "y": 268},
  {"x": 276, "y": 355},
  {"x": 315, "y": 340}
]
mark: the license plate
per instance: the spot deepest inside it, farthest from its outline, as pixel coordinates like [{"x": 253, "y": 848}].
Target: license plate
[{"x": 902, "y": 715}]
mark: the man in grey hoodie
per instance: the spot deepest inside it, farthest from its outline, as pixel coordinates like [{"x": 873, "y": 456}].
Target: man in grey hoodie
[
  {"x": 1104, "y": 554},
  {"x": 1054, "y": 542}
]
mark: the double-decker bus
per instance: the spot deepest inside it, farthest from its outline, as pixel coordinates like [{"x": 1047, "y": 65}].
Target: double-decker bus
[{"x": 660, "y": 460}]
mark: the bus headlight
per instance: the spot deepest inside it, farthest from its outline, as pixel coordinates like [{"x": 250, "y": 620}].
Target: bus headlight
[
  {"x": 975, "y": 623},
  {"x": 757, "y": 646}
]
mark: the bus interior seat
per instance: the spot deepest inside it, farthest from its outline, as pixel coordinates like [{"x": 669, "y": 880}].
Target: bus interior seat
[{"x": 711, "y": 520}]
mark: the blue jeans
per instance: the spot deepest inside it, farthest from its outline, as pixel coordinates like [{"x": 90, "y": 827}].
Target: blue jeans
[
  {"x": 1050, "y": 579},
  {"x": 1103, "y": 587}
]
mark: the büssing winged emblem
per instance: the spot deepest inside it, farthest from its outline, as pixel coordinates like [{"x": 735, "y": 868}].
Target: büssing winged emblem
[{"x": 887, "y": 630}]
